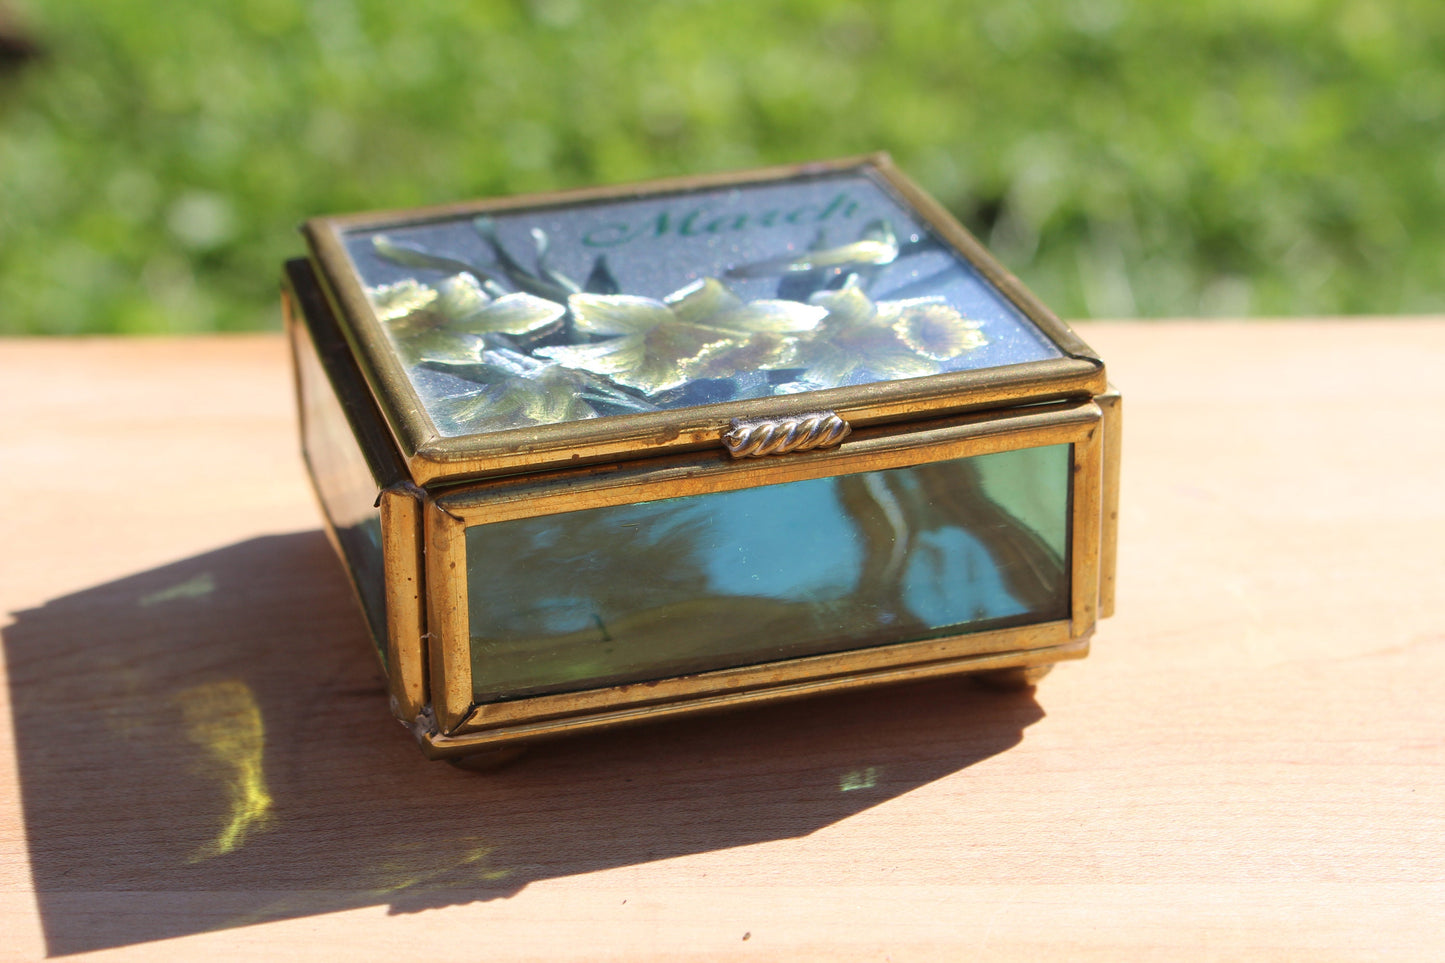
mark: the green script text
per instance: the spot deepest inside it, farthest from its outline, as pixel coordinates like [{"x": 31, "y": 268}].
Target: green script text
[{"x": 700, "y": 221}]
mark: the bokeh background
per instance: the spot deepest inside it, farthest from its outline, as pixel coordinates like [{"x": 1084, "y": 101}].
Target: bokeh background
[{"x": 1127, "y": 158}]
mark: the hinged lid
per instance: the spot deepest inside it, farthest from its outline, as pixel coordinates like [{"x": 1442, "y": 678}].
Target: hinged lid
[{"x": 533, "y": 332}]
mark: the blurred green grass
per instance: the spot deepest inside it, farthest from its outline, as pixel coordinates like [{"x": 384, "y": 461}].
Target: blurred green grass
[{"x": 1149, "y": 158}]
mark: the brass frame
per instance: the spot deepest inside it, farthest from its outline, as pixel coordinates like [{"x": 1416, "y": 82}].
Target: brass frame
[
  {"x": 432, "y": 458},
  {"x": 306, "y": 315},
  {"x": 1111, "y": 403},
  {"x": 463, "y": 725}
]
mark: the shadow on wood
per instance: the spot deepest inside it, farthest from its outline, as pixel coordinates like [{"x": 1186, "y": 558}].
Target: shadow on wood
[{"x": 207, "y": 745}]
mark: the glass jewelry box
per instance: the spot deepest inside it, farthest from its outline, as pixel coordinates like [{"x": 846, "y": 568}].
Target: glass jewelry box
[{"x": 603, "y": 456}]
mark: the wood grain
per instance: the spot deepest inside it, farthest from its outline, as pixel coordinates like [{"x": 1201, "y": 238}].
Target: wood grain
[{"x": 197, "y": 760}]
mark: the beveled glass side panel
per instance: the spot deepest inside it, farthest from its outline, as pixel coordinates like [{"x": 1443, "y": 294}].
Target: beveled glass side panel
[
  {"x": 344, "y": 484},
  {"x": 569, "y": 312},
  {"x": 645, "y": 591}
]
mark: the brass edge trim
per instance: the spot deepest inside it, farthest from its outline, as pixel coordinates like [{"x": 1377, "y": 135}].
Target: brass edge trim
[
  {"x": 297, "y": 327},
  {"x": 677, "y": 475},
  {"x": 402, "y": 409},
  {"x": 440, "y": 746},
  {"x": 448, "y": 632},
  {"x": 640, "y": 436},
  {"x": 295, "y": 330},
  {"x": 1111, "y": 404},
  {"x": 402, "y": 562},
  {"x": 1084, "y": 543},
  {"x": 973, "y": 251},
  {"x": 291, "y": 325},
  {"x": 812, "y": 669},
  {"x": 362, "y": 414}
]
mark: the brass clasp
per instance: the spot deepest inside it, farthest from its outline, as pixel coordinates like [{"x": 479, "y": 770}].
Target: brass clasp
[{"x": 756, "y": 437}]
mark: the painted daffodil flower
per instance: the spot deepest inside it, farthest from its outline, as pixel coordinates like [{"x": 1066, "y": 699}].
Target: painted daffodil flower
[
  {"x": 392, "y": 302},
  {"x": 444, "y": 322},
  {"x": 861, "y": 338},
  {"x": 548, "y": 397},
  {"x": 933, "y": 328},
  {"x": 654, "y": 345},
  {"x": 764, "y": 351},
  {"x": 511, "y": 390}
]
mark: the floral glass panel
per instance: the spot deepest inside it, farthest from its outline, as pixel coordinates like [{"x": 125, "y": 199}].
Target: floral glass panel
[
  {"x": 646, "y": 591},
  {"x": 562, "y": 313}
]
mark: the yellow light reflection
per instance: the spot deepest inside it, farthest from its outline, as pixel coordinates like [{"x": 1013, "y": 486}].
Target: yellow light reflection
[
  {"x": 223, "y": 719},
  {"x": 415, "y": 867},
  {"x": 194, "y": 588},
  {"x": 858, "y": 779}
]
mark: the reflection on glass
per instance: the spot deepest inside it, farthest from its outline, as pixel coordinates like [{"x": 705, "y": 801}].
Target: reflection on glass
[
  {"x": 344, "y": 483},
  {"x": 646, "y": 591},
  {"x": 566, "y": 313}
]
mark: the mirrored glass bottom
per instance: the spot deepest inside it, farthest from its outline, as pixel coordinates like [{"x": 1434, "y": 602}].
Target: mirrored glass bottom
[{"x": 646, "y": 591}]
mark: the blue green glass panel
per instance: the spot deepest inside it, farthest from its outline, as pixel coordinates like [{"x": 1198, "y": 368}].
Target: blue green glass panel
[
  {"x": 651, "y": 590},
  {"x": 344, "y": 484}
]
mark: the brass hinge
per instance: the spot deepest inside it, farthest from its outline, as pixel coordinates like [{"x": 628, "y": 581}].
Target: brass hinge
[{"x": 756, "y": 437}]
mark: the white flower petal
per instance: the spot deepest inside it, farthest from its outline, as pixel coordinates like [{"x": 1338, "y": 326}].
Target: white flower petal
[
  {"x": 393, "y": 301},
  {"x": 605, "y": 357},
  {"x": 516, "y": 314},
  {"x": 701, "y": 300},
  {"x": 617, "y": 313},
  {"x": 460, "y": 296},
  {"x": 849, "y": 305},
  {"x": 774, "y": 316}
]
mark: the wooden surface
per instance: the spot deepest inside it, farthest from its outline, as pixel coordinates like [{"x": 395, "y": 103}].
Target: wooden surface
[{"x": 197, "y": 762}]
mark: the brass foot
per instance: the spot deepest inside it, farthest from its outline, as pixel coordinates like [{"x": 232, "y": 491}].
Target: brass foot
[{"x": 1018, "y": 677}]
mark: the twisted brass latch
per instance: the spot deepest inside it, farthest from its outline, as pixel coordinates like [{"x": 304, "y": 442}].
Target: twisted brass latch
[{"x": 756, "y": 437}]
